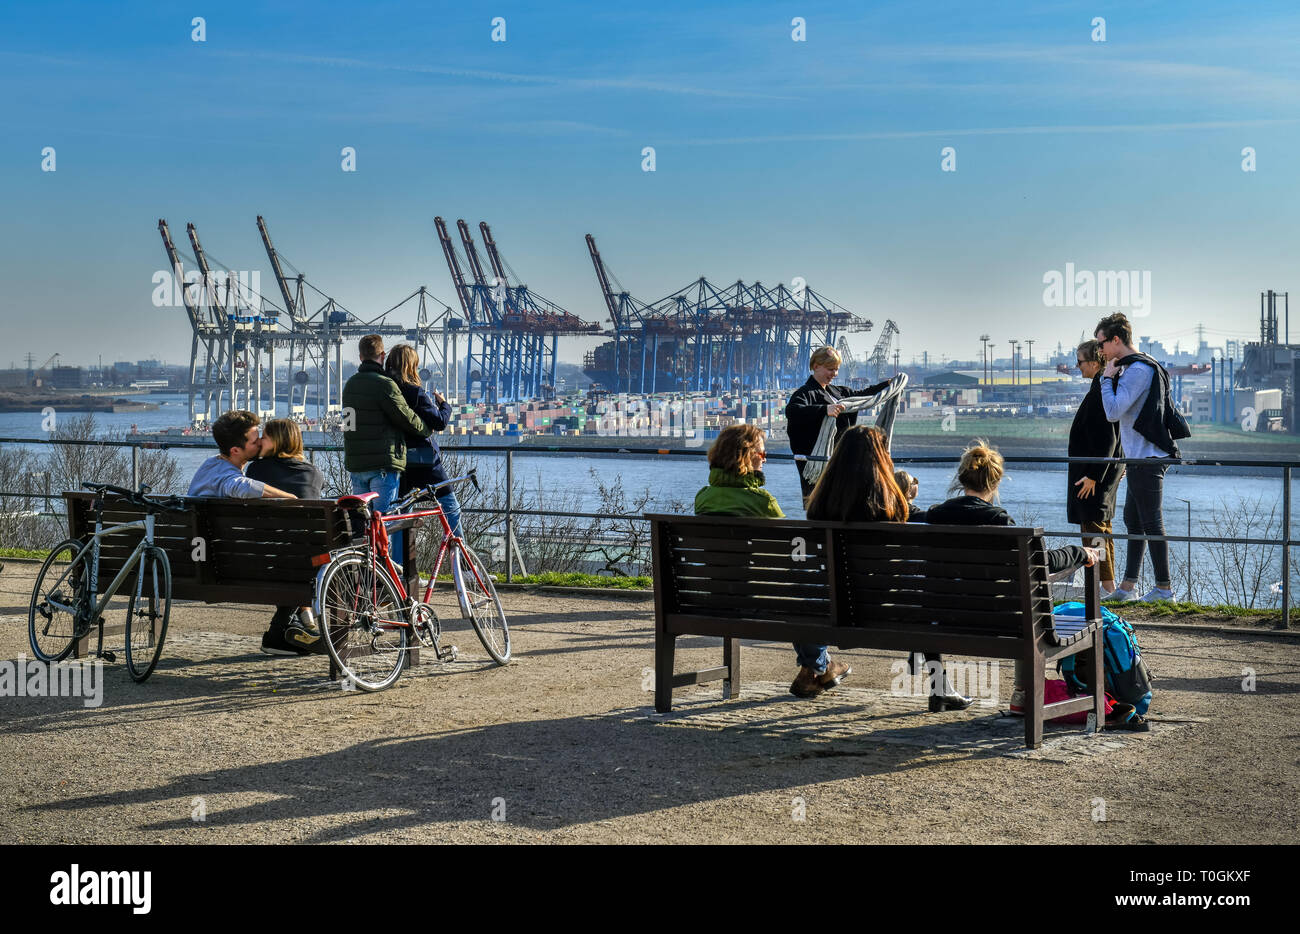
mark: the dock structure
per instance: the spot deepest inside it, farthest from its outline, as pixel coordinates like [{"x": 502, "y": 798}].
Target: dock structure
[{"x": 707, "y": 338}]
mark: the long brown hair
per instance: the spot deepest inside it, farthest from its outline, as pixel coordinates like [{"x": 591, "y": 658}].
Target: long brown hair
[
  {"x": 858, "y": 483},
  {"x": 734, "y": 448},
  {"x": 403, "y": 365},
  {"x": 286, "y": 436}
]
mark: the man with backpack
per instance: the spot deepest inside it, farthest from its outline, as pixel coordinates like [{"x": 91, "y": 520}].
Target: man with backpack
[{"x": 1135, "y": 393}]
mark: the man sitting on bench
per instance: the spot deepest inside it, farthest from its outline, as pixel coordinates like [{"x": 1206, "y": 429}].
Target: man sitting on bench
[{"x": 239, "y": 440}]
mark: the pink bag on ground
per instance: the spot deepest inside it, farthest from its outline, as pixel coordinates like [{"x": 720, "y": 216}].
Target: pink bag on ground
[{"x": 1055, "y": 690}]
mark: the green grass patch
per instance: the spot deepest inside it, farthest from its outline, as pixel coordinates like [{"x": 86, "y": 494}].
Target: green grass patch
[
  {"x": 1183, "y": 608},
  {"x": 24, "y": 553},
  {"x": 552, "y": 579}
]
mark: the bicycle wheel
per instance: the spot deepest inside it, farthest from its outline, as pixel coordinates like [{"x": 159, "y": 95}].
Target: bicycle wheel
[
  {"x": 362, "y": 621},
  {"x": 58, "y": 599},
  {"x": 148, "y": 612},
  {"x": 478, "y": 601}
]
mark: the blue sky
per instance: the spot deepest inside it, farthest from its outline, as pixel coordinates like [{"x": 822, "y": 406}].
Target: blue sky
[{"x": 775, "y": 158}]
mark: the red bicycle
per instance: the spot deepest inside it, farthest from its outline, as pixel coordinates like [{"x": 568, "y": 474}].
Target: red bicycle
[{"x": 368, "y": 619}]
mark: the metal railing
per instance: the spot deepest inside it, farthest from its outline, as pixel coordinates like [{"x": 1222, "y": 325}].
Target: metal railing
[{"x": 510, "y": 512}]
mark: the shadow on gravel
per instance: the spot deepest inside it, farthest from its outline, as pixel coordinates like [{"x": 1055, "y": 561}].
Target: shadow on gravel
[{"x": 545, "y": 774}]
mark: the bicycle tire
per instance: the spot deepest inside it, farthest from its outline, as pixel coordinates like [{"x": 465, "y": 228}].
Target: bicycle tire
[
  {"x": 479, "y": 602},
  {"x": 153, "y": 589},
  {"x": 359, "y": 615},
  {"x": 57, "y": 633}
]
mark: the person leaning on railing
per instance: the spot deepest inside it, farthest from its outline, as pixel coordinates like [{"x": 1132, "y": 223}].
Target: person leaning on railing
[{"x": 736, "y": 489}]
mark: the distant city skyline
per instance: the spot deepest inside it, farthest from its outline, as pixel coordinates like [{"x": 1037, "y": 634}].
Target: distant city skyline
[{"x": 825, "y": 158}]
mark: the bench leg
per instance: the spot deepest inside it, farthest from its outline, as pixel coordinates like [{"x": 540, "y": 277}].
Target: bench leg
[
  {"x": 1034, "y": 706},
  {"x": 731, "y": 661},
  {"x": 665, "y": 646},
  {"x": 1099, "y": 679}
]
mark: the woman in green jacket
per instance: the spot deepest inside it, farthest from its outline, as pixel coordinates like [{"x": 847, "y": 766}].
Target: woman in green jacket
[{"x": 736, "y": 489}]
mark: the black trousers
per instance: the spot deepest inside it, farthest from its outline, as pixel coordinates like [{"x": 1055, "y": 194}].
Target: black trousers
[{"x": 1144, "y": 515}]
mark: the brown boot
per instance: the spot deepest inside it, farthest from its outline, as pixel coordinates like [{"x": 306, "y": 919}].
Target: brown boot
[
  {"x": 807, "y": 683},
  {"x": 835, "y": 673}
]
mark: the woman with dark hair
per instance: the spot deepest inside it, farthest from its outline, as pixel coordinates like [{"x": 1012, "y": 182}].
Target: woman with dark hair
[
  {"x": 978, "y": 475},
  {"x": 423, "y": 459},
  {"x": 1091, "y": 488},
  {"x": 860, "y": 485},
  {"x": 736, "y": 489}
]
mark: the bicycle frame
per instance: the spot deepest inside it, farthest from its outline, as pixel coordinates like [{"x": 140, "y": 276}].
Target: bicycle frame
[{"x": 93, "y": 614}]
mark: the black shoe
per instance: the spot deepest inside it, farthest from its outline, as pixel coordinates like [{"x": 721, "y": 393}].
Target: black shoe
[
  {"x": 292, "y": 640},
  {"x": 941, "y": 702}
]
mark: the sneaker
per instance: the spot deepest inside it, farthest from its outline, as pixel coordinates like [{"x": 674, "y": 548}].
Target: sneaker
[
  {"x": 1120, "y": 595},
  {"x": 835, "y": 673},
  {"x": 1018, "y": 702},
  {"x": 1156, "y": 594},
  {"x": 292, "y": 640},
  {"x": 807, "y": 683},
  {"x": 305, "y": 620}
]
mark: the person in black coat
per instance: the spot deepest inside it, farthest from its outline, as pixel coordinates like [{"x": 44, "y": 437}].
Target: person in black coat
[
  {"x": 978, "y": 475},
  {"x": 813, "y": 401},
  {"x": 1091, "y": 488},
  {"x": 423, "y": 458}
]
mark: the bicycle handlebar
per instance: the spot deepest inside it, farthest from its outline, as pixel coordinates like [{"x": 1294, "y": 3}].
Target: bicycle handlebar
[
  {"x": 428, "y": 492},
  {"x": 170, "y": 503}
]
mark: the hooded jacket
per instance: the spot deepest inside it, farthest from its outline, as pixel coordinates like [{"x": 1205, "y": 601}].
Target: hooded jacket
[{"x": 734, "y": 494}]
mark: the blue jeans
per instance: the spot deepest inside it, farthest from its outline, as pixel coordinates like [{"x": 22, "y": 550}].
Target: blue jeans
[
  {"x": 383, "y": 482},
  {"x": 451, "y": 508},
  {"x": 812, "y": 656}
]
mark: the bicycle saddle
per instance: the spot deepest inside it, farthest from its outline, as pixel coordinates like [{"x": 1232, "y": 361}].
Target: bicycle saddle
[{"x": 356, "y": 499}]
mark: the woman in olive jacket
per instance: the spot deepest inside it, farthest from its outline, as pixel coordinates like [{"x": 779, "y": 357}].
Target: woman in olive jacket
[{"x": 1091, "y": 488}]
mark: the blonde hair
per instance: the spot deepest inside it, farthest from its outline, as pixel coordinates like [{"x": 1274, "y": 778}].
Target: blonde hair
[
  {"x": 285, "y": 436},
  {"x": 824, "y": 355},
  {"x": 403, "y": 364},
  {"x": 980, "y": 470}
]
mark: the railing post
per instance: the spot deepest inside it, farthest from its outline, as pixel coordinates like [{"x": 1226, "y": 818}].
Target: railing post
[
  {"x": 135, "y": 467},
  {"x": 1286, "y": 547},
  {"x": 510, "y": 531}
]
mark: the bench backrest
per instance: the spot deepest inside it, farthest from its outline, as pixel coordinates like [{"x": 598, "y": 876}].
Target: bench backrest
[
  {"x": 981, "y": 580},
  {"x": 252, "y": 550}
]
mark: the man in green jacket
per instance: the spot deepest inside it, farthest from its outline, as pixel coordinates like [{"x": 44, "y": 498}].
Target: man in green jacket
[{"x": 375, "y": 421}]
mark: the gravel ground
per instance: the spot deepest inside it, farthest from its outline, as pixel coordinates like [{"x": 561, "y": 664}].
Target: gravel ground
[{"x": 559, "y": 745}]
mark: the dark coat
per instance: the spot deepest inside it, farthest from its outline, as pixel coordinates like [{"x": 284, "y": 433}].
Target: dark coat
[
  {"x": 971, "y": 510},
  {"x": 380, "y": 421},
  {"x": 301, "y": 478},
  {"x": 806, "y": 411},
  {"x": 435, "y": 416},
  {"x": 1092, "y": 435}
]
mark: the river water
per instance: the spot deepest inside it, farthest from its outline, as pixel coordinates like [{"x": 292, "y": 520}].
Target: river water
[{"x": 1033, "y": 494}]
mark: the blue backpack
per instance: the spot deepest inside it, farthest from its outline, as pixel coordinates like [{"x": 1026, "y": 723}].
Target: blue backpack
[{"x": 1128, "y": 679}]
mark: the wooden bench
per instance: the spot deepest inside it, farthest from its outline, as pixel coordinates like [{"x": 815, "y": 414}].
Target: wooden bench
[
  {"x": 255, "y": 551},
  {"x": 968, "y": 590}
]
